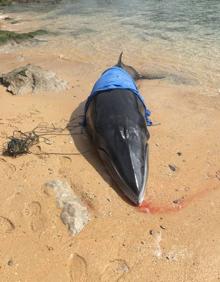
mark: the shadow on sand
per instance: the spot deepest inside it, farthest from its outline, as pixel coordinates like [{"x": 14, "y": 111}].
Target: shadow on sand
[{"x": 85, "y": 146}]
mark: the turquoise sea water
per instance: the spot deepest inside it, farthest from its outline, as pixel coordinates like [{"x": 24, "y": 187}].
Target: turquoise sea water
[{"x": 178, "y": 34}]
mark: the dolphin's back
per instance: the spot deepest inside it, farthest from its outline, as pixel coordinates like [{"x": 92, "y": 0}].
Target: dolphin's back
[{"x": 118, "y": 106}]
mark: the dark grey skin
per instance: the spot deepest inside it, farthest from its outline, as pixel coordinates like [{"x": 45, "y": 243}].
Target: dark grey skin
[{"x": 115, "y": 120}]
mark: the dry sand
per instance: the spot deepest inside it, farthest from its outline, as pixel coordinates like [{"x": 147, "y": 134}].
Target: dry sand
[{"x": 177, "y": 238}]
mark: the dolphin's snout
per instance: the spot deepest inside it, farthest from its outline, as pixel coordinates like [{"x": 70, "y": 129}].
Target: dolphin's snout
[{"x": 128, "y": 163}]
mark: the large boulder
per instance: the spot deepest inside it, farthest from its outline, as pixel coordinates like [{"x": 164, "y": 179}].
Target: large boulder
[{"x": 31, "y": 79}]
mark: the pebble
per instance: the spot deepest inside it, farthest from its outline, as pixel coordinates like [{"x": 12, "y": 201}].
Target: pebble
[
  {"x": 172, "y": 167},
  {"x": 10, "y": 262}
]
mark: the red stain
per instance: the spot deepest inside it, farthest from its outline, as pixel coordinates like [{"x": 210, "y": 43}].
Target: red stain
[
  {"x": 177, "y": 205},
  {"x": 148, "y": 207}
]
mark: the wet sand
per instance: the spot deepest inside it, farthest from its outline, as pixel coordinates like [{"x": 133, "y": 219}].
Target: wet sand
[{"x": 174, "y": 237}]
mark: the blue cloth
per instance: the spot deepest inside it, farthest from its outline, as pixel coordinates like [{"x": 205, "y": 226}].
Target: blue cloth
[{"x": 116, "y": 78}]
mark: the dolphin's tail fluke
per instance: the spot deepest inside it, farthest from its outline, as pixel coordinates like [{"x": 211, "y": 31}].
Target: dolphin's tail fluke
[{"x": 137, "y": 75}]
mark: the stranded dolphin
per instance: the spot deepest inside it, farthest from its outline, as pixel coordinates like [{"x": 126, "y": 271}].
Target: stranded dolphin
[{"x": 116, "y": 118}]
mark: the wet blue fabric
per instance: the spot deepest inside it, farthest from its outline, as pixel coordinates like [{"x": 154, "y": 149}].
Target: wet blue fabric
[{"x": 116, "y": 78}]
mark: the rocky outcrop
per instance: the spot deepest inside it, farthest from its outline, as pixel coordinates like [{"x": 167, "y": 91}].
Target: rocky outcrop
[{"x": 31, "y": 79}]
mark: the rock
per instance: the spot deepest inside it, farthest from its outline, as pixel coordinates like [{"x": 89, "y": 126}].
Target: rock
[
  {"x": 172, "y": 167},
  {"x": 74, "y": 214},
  {"x": 218, "y": 174},
  {"x": 179, "y": 201},
  {"x": 32, "y": 79},
  {"x": 10, "y": 262}
]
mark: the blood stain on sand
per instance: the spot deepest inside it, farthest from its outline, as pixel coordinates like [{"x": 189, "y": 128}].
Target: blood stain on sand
[
  {"x": 148, "y": 207},
  {"x": 151, "y": 208}
]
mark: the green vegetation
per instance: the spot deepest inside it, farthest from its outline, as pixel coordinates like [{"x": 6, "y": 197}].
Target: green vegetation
[
  {"x": 5, "y": 2},
  {"x": 7, "y": 36},
  {"x": 8, "y": 2}
]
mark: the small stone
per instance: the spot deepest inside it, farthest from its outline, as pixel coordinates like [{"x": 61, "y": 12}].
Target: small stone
[
  {"x": 179, "y": 153},
  {"x": 178, "y": 201},
  {"x": 172, "y": 167},
  {"x": 10, "y": 262},
  {"x": 48, "y": 142},
  {"x": 50, "y": 248},
  {"x": 218, "y": 174},
  {"x": 186, "y": 188}
]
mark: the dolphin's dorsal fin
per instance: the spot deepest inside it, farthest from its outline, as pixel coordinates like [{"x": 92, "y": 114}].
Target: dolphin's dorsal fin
[
  {"x": 119, "y": 63},
  {"x": 135, "y": 74},
  {"x": 129, "y": 69}
]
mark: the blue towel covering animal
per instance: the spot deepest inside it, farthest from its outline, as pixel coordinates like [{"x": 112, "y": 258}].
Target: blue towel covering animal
[{"x": 116, "y": 78}]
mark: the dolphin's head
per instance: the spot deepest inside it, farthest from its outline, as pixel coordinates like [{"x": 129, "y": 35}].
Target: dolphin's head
[{"x": 124, "y": 150}]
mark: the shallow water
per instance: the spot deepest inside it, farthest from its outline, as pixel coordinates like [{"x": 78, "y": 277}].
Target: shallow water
[{"x": 180, "y": 35}]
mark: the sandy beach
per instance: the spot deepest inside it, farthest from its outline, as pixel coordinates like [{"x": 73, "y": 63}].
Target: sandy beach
[{"x": 176, "y": 237}]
